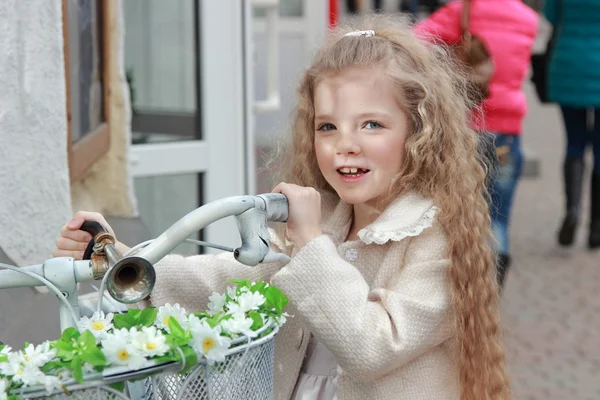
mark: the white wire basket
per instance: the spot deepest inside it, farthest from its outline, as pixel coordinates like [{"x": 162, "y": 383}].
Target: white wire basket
[{"x": 247, "y": 373}]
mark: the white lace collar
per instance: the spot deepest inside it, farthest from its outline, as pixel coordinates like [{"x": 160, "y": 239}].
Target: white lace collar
[{"x": 407, "y": 216}]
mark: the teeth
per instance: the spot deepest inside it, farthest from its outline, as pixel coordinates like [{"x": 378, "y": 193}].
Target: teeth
[{"x": 347, "y": 170}]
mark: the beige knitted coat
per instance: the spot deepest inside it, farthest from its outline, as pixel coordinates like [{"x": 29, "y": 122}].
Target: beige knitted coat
[{"x": 380, "y": 304}]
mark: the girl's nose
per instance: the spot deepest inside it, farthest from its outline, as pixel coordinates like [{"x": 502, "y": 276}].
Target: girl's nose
[{"x": 348, "y": 145}]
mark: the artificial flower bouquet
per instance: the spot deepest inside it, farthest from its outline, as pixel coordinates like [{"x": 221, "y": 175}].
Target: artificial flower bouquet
[{"x": 138, "y": 339}]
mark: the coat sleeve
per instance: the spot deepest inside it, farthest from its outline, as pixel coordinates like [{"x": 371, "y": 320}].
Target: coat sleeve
[
  {"x": 443, "y": 25},
  {"x": 371, "y": 331},
  {"x": 189, "y": 281}
]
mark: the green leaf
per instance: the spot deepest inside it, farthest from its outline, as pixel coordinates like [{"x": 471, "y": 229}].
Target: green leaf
[
  {"x": 64, "y": 350},
  {"x": 95, "y": 357},
  {"x": 213, "y": 321},
  {"x": 258, "y": 321},
  {"x": 87, "y": 340},
  {"x": 55, "y": 366},
  {"x": 170, "y": 356},
  {"x": 225, "y": 317},
  {"x": 132, "y": 312},
  {"x": 202, "y": 315},
  {"x": 77, "y": 368},
  {"x": 176, "y": 329},
  {"x": 148, "y": 316},
  {"x": 120, "y": 386},
  {"x": 259, "y": 287},
  {"x": 126, "y": 321},
  {"x": 3, "y": 358},
  {"x": 178, "y": 336},
  {"x": 69, "y": 334},
  {"x": 275, "y": 299},
  {"x": 190, "y": 356},
  {"x": 241, "y": 283}
]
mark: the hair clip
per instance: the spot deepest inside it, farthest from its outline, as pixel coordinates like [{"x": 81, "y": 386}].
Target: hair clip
[{"x": 361, "y": 33}]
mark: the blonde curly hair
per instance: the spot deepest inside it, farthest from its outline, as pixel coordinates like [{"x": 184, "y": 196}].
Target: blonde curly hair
[{"x": 441, "y": 163}]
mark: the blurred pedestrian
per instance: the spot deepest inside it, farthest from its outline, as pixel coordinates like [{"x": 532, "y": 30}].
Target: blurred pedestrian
[
  {"x": 411, "y": 7},
  {"x": 574, "y": 83},
  {"x": 354, "y": 5},
  {"x": 508, "y": 29}
]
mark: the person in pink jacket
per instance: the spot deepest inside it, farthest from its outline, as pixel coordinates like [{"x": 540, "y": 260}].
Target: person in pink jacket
[{"x": 508, "y": 28}]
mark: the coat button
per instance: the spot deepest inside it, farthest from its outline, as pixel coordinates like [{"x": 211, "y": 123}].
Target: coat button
[{"x": 351, "y": 254}]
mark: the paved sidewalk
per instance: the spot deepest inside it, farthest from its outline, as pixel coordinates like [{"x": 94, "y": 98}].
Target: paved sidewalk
[{"x": 551, "y": 302}]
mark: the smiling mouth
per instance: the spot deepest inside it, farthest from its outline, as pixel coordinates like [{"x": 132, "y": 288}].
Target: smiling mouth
[{"x": 354, "y": 172}]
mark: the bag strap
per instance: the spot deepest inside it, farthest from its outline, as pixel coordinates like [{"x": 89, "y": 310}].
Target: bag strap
[{"x": 465, "y": 16}]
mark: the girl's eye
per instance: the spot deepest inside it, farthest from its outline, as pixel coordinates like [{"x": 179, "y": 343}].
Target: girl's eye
[
  {"x": 373, "y": 125},
  {"x": 326, "y": 127}
]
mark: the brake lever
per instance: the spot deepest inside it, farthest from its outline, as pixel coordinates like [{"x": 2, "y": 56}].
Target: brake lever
[
  {"x": 254, "y": 232},
  {"x": 273, "y": 256}
]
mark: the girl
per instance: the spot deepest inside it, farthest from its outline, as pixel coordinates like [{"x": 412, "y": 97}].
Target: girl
[{"x": 392, "y": 277}]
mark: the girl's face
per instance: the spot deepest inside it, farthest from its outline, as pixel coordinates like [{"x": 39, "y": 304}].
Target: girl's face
[{"x": 360, "y": 131}]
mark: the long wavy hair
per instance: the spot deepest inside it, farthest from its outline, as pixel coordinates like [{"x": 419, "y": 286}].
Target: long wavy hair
[{"x": 441, "y": 162}]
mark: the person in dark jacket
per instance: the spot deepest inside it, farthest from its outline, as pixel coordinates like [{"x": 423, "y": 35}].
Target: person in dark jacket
[{"x": 574, "y": 83}]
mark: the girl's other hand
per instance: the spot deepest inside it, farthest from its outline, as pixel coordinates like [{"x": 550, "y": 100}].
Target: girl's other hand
[
  {"x": 73, "y": 241},
  {"x": 304, "y": 215}
]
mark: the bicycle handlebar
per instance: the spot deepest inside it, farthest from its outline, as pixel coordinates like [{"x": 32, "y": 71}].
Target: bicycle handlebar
[{"x": 132, "y": 277}]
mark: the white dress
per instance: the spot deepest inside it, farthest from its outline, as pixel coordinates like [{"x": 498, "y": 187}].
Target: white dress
[{"x": 318, "y": 376}]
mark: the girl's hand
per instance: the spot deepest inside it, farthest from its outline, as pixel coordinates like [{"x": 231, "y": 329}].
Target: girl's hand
[
  {"x": 73, "y": 241},
  {"x": 304, "y": 216}
]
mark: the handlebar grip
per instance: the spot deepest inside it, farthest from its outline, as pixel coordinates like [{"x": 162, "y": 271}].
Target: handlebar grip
[
  {"x": 93, "y": 228},
  {"x": 277, "y": 206}
]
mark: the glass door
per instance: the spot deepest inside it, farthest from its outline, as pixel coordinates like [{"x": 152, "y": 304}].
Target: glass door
[
  {"x": 185, "y": 62},
  {"x": 301, "y": 28}
]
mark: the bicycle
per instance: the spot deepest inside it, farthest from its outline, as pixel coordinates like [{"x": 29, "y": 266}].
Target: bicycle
[{"x": 129, "y": 278}]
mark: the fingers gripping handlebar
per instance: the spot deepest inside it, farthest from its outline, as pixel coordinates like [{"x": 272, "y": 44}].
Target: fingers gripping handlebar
[{"x": 93, "y": 228}]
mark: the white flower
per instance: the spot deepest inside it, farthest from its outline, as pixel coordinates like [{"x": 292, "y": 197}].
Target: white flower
[
  {"x": 232, "y": 292},
  {"x": 99, "y": 324},
  {"x": 29, "y": 375},
  {"x": 216, "y": 304},
  {"x": 150, "y": 342},
  {"x": 119, "y": 350},
  {"x": 38, "y": 355},
  {"x": 24, "y": 365},
  {"x": 239, "y": 324},
  {"x": 167, "y": 311},
  {"x": 4, "y": 386},
  {"x": 208, "y": 341},
  {"x": 5, "y": 350},
  {"x": 245, "y": 302},
  {"x": 51, "y": 383},
  {"x": 282, "y": 319},
  {"x": 13, "y": 364}
]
